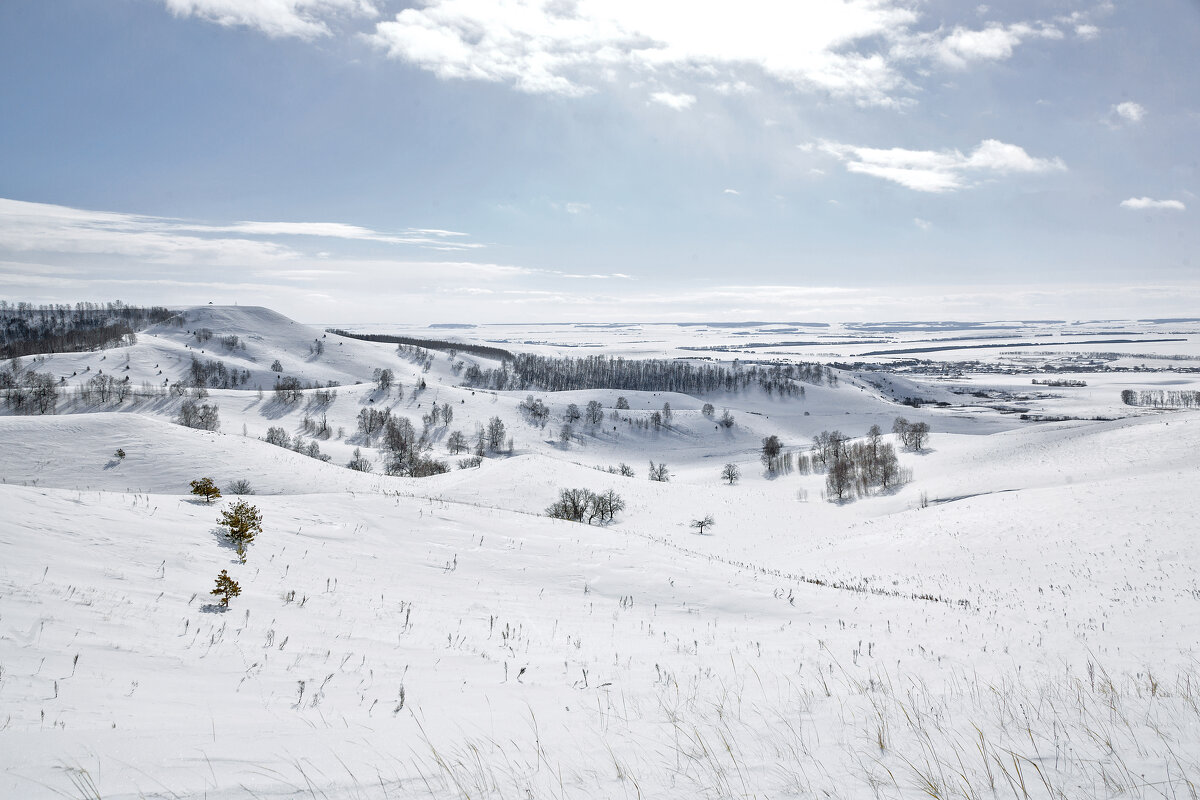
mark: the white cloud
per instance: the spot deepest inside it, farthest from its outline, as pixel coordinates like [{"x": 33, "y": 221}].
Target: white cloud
[
  {"x": 1087, "y": 31},
  {"x": 577, "y": 208},
  {"x": 33, "y": 227},
  {"x": 1129, "y": 111},
  {"x": 427, "y": 237},
  {"x": 40, "y": 227},
  {"x": 847, "y": 49},
  {"x": 569, "y": 48},
  {"x": 923, "y": 224},
  {"x": 940, "y": 170},
  {"x": 679, "y": 102},
  {"x": 303, "y": 19},
  {"x": 1149, "y": 204},
  {"x": 963, "y": 47},
  {"x": 732, "y": 191}
]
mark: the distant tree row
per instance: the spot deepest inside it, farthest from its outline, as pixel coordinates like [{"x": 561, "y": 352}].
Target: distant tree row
[
  {"x": 431, "y": 344},
  {"x": 1157, "y": 398},
  {"x": 26, "y": 329},
  {"x": 527, "y": 371}
]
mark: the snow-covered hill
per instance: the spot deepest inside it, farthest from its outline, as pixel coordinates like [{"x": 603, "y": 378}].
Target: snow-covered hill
[{"x": 1020, "y": 618}]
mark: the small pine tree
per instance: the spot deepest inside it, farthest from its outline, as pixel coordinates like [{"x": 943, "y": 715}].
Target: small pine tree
[
  {"x": 242, "y": 522},
  {"x": 204, "y": 487},
  {"x": 227, "y": 588}
]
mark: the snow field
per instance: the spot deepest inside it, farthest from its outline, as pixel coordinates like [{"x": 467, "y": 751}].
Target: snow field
[{"x": 1020, "y": 620}]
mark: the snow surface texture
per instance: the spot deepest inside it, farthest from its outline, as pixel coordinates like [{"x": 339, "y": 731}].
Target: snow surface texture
[{"x": 1019, "y": 620}]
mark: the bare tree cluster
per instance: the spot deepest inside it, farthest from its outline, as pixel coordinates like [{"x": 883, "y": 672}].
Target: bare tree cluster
[
  {"x": 280, "y": 438},
  {"x": 204, "y": 417},
  {"x": 359, "y": 463},
  {"x": 214, "y": 374},
  {"x": 384, "y": 379},
  {"x": 584, "y": 505},
  {"x": 28, "y": 392},
  {"x": 289, "y": 389},
  {"x": 407, "y": 450},
  {"x": 103, "y": 389},
  {"x": 622, "y": 469},
  {"x": 535, "y": 411},
  {"x": 913, "y": 435},
  {"x": 856, "y": 468}
]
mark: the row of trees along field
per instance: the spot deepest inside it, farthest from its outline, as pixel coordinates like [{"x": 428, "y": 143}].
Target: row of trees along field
[
  {"x": 526, "y": 371},
  {"x": 1157, "y": 398},
  {"x": 26, "y": 329}
]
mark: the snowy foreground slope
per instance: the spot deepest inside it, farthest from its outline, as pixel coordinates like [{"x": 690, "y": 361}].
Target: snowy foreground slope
[{"x": 1030, "y": 631}]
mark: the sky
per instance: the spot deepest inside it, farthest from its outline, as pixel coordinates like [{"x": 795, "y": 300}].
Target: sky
[{"x": 604, "y": 160}]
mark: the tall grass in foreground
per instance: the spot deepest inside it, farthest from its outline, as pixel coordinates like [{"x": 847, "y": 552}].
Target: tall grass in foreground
[{"x": 833, "y": 734}]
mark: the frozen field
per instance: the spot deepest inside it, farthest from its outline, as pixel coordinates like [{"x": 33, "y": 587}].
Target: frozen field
[{"x": 1020, "y": 619}]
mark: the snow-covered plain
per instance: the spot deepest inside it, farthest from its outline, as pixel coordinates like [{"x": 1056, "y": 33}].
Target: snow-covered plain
[{"x": 1021, "y": 619}]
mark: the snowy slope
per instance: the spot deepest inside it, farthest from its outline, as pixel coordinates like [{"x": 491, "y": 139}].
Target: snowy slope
[{"x": 1023, "y": 614}]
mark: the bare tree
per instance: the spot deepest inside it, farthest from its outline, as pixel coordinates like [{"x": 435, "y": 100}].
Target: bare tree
[
  {"x": 659, "y": 473},
  {"x": 495, "y": 434},
  {"x": 771, "y": 448},
  {"x": 701, "y": 524},
  {"x": 383, "y": 379},
  {"x": 358, "y": 463},
  {"x": 731, "y": 473},
  {"x": 839, "y": 480}
]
